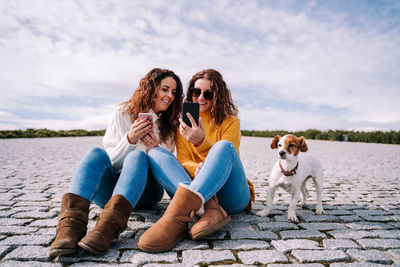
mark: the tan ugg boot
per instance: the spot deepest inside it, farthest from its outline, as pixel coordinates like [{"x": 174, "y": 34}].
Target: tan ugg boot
[
  {"x": 166, "y": 233},
  {"x": 72, "y": 225},
  {"x": 213, "y": 219},
  {"x": 113, "y": 220}
]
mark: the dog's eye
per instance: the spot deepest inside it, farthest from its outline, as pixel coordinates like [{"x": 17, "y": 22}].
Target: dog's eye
[
  {"x": 279, "y": 145},
  {"x": 291, "y": 145}
]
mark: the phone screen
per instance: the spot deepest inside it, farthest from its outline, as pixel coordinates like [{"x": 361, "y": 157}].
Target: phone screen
[{"x": 192, "y": 108}]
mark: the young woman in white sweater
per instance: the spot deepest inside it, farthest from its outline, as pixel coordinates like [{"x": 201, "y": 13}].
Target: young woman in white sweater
[{"x": 118, "y": 178}]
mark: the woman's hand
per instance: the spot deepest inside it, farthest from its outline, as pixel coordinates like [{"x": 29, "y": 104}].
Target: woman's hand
[
  {"x": 194, "y": 134},
  {"x": 138, "y": 130},
  {"x": 150, "y": 141},
  {"x": 198, "y": 168}
]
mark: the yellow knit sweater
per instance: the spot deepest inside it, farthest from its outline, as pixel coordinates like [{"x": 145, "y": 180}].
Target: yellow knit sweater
[{"x": 190, "y": 155}]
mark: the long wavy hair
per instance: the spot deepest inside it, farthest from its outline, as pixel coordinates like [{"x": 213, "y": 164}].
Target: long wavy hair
[
  {"x": 143, "y": 99},
  {"x": 222, "y": 103}
]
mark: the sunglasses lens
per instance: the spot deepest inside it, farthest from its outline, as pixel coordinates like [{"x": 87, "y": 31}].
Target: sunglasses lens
[
  {"x": 196, "y": 92},
  {"x": 208, "y": 95}
]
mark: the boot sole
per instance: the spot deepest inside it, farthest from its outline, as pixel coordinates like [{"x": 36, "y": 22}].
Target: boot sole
[
  {"x": 161, "y": 249},
  {"x": 211, "y": 230},
  {"x": 90, "y": 249},
  {"x": 61, "y": 251}
]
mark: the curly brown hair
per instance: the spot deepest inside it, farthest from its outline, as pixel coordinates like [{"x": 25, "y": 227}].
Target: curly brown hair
[
  {"x": 222, "y": 103},
  {"x": 144, "y": 96}
]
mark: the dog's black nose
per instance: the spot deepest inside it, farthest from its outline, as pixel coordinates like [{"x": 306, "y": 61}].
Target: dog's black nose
[{"x": 282, "y": 153}]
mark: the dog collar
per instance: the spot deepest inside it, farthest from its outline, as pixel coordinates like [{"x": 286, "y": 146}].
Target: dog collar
[{"x": 288, "y": 173}]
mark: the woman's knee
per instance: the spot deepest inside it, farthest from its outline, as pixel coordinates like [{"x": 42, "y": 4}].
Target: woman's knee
[
  {"x": 223, "y": 145},
  {"x": 136, "y": 156},
  {"x": 97, "y": 154},
  {"x": 157, "y": 153}
]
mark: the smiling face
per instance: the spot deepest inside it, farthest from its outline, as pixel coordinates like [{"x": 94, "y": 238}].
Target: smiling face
[
  {"x": 165, "y": 94},
  {"x": 203, "y": 85},
  {"x": 289, "y": 146}
]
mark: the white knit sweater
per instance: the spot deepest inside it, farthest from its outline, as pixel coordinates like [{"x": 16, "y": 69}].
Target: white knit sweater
[{"x": 116, "y": 142}]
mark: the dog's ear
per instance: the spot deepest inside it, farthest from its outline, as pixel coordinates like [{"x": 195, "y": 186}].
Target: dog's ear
[
  {"x": 275, "y": 142},
  {"x": 303, "y": 144}
]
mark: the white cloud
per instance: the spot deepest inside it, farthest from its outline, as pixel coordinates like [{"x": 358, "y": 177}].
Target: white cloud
[{"x": 100, "y": 50}]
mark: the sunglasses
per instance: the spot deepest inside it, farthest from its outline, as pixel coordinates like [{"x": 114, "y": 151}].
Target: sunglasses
[{"x": 196, "y": 92}]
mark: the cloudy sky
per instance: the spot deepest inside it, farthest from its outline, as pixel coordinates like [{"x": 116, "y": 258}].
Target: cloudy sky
[{"x": 291, "y": 65}]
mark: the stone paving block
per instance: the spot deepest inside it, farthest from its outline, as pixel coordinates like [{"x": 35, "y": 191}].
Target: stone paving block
[
  {"x": 351, "y": 234},
  {"x": 297, "y": 265},
  {"x": 137, "y": 257},
  {"x": 111, "y": 256},
  {"x": 375, "y": 256},
  {"x": 34, "y": 215},
  {"x": 33, "y": 197},
  {"x": 395, "y": 253},
  {"x": 29, "y": 253},
  {"x": 372, "y": 212},
  {"x": 262, "y": 257},
  {"x": 12, "y": 221},
  {"x": 340, "y": 244},
  {"x": 372, "y": 218},
  {"x": 319, "y": 218},
  {"x": 192, "y": 257},
  {"x": 387, "y": 233},
  {"x": 286, "y": 246},
  {"x": 322, "y": 226},
  {"x": 7, "y": 197},
  {"x": 378, "y": 243},
  {"x": 338, "y": 212},
  {"x": 369, "y": 226},
  {"x": 45, "y": 223},
  {"x": 47, "y": 231},
  {"x": 277, "y": 226},
  {"x": 7, "y": 213},
  {"x": 27, "y": 240},
  {"x": 253, "y": 234},
  {"x": 301, "y": 234},
  {"x": 357, "y": 264},
  {"x": 191, "y": 244},
  {"x": 96, "y": 264},
  {"x": 4, "y": 250},
  {"x": 16, "y": 230},
  {"x": 138, "y": 225},
  {"x": 305, "y": 256},
  {"x": 240, "y": 244},
  {"x": 13, "y": 263},
  {"x": 350, "y": 218}
]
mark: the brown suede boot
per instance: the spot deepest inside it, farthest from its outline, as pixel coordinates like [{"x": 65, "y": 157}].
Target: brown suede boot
[
  {"x": 173, "y": 225},
  {"x": 113, "y": 220},
  {"x": 213, "y": 219},
  {"x": 72, "y": 225}
]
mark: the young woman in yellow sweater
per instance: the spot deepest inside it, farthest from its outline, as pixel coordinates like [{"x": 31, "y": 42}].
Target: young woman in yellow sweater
[{"x": 207, "y": 177}]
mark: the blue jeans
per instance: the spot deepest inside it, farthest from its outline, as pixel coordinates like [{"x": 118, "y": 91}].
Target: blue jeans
[
  {"x": 96, "y": 180},
  {"x": 222, "y": 173}
]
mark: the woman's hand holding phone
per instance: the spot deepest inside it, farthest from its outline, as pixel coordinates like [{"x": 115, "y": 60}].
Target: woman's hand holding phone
[
  {"x": 150, "y": 141},
  {"x": 194, "y": 134},
  {"x": 139, "y": 129}
]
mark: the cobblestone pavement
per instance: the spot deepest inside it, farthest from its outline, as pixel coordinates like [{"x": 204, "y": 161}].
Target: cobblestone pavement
[{"x": 360, "y": 228}]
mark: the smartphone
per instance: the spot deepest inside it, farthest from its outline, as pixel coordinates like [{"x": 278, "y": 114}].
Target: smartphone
[
  {"x": 192, "y": 108},
  {"x": 146, "y": 116}
]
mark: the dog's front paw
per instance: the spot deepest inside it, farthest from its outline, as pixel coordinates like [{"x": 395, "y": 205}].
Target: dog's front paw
[
  {"x": 301, "y": 203},
  {"x": 262, "y": 213},
  {"x": 319, "y": 211},
  {"x": 292, "y": 217}
]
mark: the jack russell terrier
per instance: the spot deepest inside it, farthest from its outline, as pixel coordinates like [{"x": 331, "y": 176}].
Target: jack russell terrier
[{"x": 291, "y": 172}]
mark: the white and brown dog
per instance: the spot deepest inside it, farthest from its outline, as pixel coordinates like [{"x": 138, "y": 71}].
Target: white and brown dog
[{"x": 291, "y": 172}]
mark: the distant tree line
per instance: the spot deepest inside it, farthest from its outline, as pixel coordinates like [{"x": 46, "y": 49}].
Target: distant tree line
[
  {"x": 33, "y": 133},
  {"x": 390, "y": 137}
]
